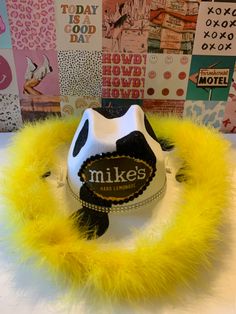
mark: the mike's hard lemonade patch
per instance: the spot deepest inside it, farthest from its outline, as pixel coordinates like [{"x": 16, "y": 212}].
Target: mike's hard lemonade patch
[{"x": 116, "y": 177}]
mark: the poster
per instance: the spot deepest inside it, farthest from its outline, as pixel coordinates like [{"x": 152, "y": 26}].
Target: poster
[
  {"x": 37, "y": 72},
  {"x": 210, "y": 78},
  {"x": 168, "y": 56},
  {"x": 78, "y": 25},
  {"x": 123, "y": 75},
  {"x": 164, "y": 107},
  {"x": 10, "y": 113},
  {"x": 216, "y": 29},
  {"x": 125, "y": 26},
  {"x": 8, "y": 80},
  {"x": 172, "y": 26},
  {"x": 229, "y": 120},
  {"x": 5, "y": 36},
  {"x": 232, "y": 91},
  {"x": 73, "y": 105},
  {"x": 167, "y": 76},
  {"x": 32, "y": 24},
  {"x": 80, "y": 73},
  {"x": 206, "y": 112}
]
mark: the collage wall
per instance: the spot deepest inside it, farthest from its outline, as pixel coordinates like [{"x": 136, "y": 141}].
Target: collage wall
[{"x": 58, "y": 57}]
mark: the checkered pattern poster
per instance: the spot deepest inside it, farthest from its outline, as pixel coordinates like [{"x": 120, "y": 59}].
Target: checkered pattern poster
[{"x": 58, "y": 57}]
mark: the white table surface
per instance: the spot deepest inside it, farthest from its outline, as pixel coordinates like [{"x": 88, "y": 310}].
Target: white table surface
[{"x": 24, "y": 290}]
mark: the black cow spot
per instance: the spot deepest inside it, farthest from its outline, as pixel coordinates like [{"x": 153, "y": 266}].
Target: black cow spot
[
  {"x": 112, "y": 112},
  {"x": 135, "y": 145},
  {"x": 88, "y": 196},
  {"x": 165, "y": 144},
  {"x": 149, "y": 129},
  {"x": 92, "y": 223},
  {"x": 46, "y": 174},
  {"x": 81, "y": 139}
]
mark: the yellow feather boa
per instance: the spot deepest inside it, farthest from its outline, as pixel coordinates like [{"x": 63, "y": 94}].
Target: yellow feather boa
[{"x": 153, "y": 268}]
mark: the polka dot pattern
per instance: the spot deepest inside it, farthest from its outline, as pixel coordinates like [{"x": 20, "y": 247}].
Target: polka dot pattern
[
  {"x": 10, "y": 113},
  {"x": 150, "y": 91},
  {"x": 167, "y": 75},
  {"x": 165, "y": 91},
  {"x": 182, "y": 75},
  {"x": 80, "y": 73},
  {"x": 152, "y": 74},
  {"x": 171, "y": 76}
]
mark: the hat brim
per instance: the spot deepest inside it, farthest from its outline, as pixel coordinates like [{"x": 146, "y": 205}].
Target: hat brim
[{"x": 156, "y": 265}]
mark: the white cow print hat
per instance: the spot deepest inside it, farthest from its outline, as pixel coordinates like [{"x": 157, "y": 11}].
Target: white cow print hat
[{"x": 115, "y": 163}]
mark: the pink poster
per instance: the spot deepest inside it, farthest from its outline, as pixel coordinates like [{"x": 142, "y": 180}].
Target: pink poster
[
  {"x": 37, "y": 72},
  {"x": 8, "y": 81},
  {"x": 32, "y": 24}
]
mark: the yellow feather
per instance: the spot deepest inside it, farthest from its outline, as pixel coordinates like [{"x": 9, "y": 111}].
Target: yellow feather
[{"x": 154, "y": 268}]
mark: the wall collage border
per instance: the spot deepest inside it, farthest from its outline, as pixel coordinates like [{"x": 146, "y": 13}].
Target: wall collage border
[{"x": 169, "y": 56}]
